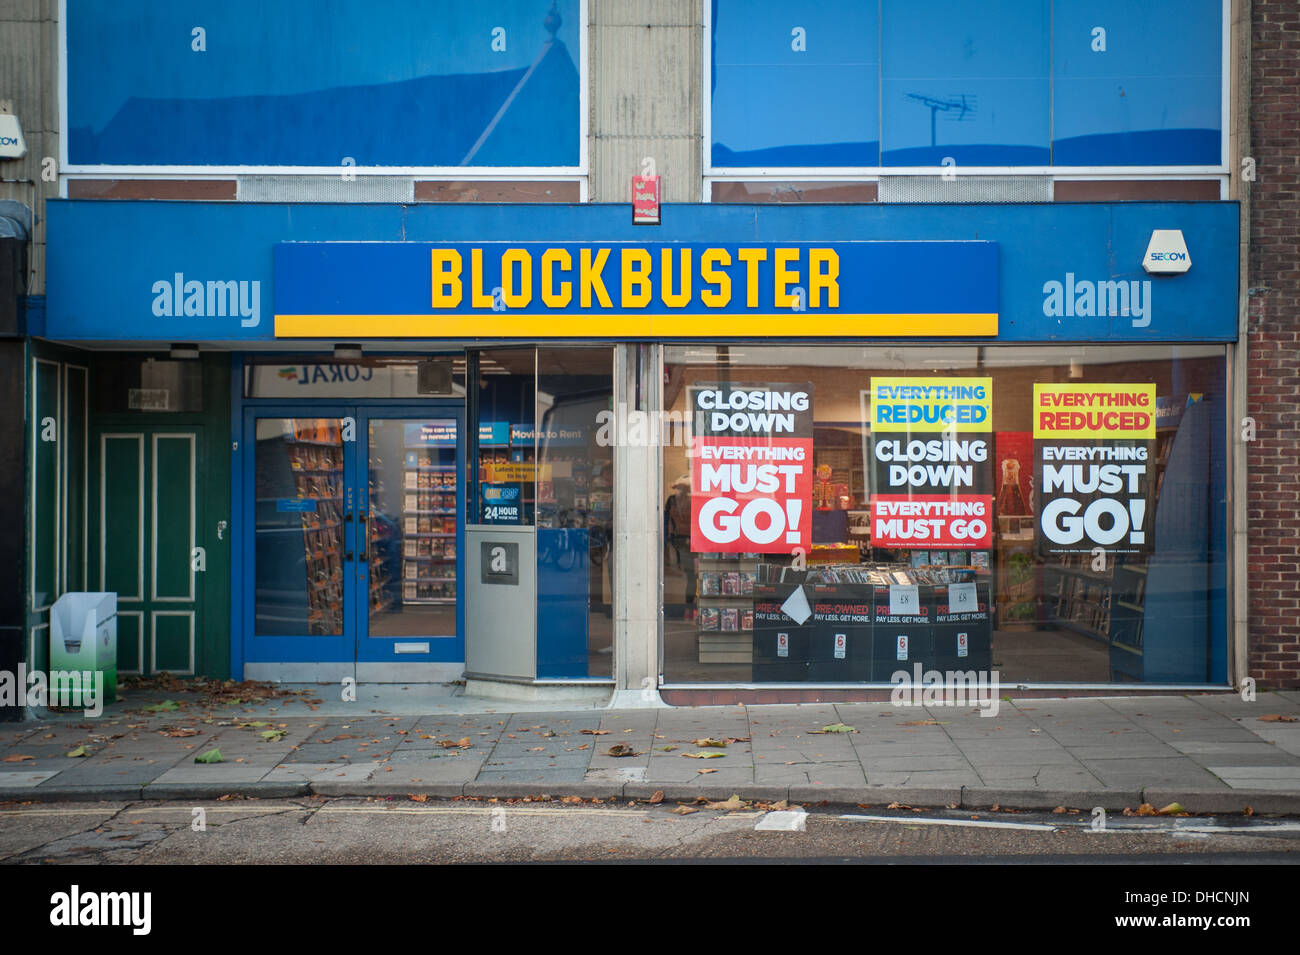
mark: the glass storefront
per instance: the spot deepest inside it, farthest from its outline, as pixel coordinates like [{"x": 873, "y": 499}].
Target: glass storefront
[
  {"x": 835, "y": 514},
  {"x": 541, "y": 464}
]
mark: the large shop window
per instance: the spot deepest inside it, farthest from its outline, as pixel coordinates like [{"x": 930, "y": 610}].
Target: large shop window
[
  {"x": 838, "y": 515},
  {"x": 542, "y": 463},
  {"x": 902, "y": 83},
  {"x": 349, "y": 83}
]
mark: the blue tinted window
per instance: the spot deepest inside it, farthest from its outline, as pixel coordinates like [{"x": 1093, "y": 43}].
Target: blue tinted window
[
  {"x": 1146, "y": 91},
  {"x": 967, "y": 81},
  {"x": 794, "y": 85},
  {"x": 309, "y": 82}
]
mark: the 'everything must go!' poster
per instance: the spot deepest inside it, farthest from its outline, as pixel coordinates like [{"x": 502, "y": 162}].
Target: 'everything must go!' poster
[
  {"x": 751, "y": 468},
  {"x": 932, "y": 462},
  {"x": 1092, "y": 467}
]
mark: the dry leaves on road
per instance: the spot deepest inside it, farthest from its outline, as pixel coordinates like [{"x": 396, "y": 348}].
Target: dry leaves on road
[
  {"x": 621, "y": 749},
  {"x": 594, "y": 732},
  {"x": 1277, "y": 718}
]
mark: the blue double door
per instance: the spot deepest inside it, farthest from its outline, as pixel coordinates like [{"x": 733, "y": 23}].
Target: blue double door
[{"x": 352, "y": 551}]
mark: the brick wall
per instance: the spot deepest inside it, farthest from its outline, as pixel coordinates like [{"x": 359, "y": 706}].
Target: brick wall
[{"x": 1273, "y": 498}]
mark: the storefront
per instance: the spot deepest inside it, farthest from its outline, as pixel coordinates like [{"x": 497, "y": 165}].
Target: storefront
[{"x": 879, "y": 437}]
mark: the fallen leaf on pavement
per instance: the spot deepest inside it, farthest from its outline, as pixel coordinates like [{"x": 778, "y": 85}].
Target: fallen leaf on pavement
[
  {"x": 707, "y": 741},
  {"x": 923, "y": 723},
  {"x": 657, "y": 798},
  {"x": 666, "y": 749},
  {"x": 17, "y": 759},
  {"x": 571, "y": 799},
  {"x": 594, "y": 732},
  {"x": 418, "y": 797},
  {"x": 1172, "y": 809},
  {"x": 683, "y": 811},
  {"x": 622, "y": 749},
  {"x": 1146, "y": 809},
  {"x": 703, "y": 771},
  {"x": 732, "y": 804},
  {"x": 704, "y": 755},
  {"x": 1277, "y": 718},
  {"x": 181, "y": 732},
  {"x": 166, "y": 706},
  {"x": 900, "y": 805},
  {"x": 79, "y": 751},
  {"x": 835, "y": 728},
  {"x": 211, "y": 756}
]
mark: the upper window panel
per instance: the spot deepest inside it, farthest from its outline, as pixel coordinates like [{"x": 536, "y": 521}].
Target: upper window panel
[
  {"x": 416, "y": 83},
  {"x": 965, "y": 83},
  {"x": 1021, "y": 83},
  {"x": 795, "y": 85},
  {"x": 1137, "y": 84}
]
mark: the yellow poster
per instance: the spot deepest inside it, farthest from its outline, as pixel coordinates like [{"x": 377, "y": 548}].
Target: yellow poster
[
  {"x": 1089, "y": 412},
  {"x": 931, "y": 404}
]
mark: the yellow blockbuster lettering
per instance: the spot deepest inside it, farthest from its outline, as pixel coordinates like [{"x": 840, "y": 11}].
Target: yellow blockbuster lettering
[
  {"x": 549, "y": 296},
  {"x": 681, "y": 298},
  {"x": 829, "y": 279},
  {"x": 516, "y": 297},
  {"x": 478, "y": 298},
  {"x": 636, "y": 278},
  {"x": 751, "y": 258},
  {"x": 715, "y": 276},
  {"x": 446, "y": 278},
  {"x": 784, "y": 277},
  {"x": 589, "y": 279}
]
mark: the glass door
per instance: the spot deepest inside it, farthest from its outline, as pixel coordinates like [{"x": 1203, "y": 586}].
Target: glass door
[
  {"x": 353, "y": 549},
  {"x": 297, "y": 583},
  {"x": 410, "y": 521}
]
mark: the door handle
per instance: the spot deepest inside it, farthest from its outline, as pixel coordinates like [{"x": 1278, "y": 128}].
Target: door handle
[{"x": 347, "y": 555}]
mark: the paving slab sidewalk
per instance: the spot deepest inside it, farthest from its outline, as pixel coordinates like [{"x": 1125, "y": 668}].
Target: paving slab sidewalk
[{"x": 1211, "y": 752}]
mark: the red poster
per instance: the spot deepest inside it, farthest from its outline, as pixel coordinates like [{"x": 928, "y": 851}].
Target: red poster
[
  {"x": 1015, "y": 472},
  {"x": 932, "y": 520},
  {"x": 752, "y": 469}
]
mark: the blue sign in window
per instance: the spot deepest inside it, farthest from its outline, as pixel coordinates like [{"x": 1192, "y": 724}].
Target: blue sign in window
[
  {"x": 938, "y": 82},
  {"x": 300, "y": 83}
]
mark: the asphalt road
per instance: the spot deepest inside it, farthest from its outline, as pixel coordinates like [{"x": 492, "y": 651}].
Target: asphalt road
[{"x": 352, "y": 830}]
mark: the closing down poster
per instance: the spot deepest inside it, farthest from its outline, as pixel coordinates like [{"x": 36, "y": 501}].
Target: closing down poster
[
  {"x": 932, "y": 462},
  {"x": 751, "y": 468}
]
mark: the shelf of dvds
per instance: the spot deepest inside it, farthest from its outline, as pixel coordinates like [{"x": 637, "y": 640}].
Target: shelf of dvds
[{"x": 725, "y": 622}]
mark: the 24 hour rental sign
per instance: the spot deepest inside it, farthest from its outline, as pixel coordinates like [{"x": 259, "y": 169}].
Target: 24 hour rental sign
[{"x": 751, "y": 468}]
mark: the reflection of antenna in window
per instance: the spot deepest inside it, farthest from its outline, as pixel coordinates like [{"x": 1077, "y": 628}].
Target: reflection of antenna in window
[{"x": 954, "y": 108}]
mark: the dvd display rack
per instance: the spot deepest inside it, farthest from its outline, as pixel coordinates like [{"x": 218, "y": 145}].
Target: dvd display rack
[
  {"x": 428, "y": 558},
  {"x": 315, "y": 454},
  {"x": 725, "y": 621}
]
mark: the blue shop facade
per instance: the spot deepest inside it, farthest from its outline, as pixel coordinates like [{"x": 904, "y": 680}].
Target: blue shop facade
[{"x": 420, "y": 443}]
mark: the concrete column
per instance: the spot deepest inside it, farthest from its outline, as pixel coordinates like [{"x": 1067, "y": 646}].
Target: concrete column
[
  {"x": 645, "y": 59},
  {"x": 638, "y": 528}
]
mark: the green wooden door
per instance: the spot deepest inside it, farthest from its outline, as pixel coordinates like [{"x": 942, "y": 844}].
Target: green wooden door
[{"x": 148, "y": 527}]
